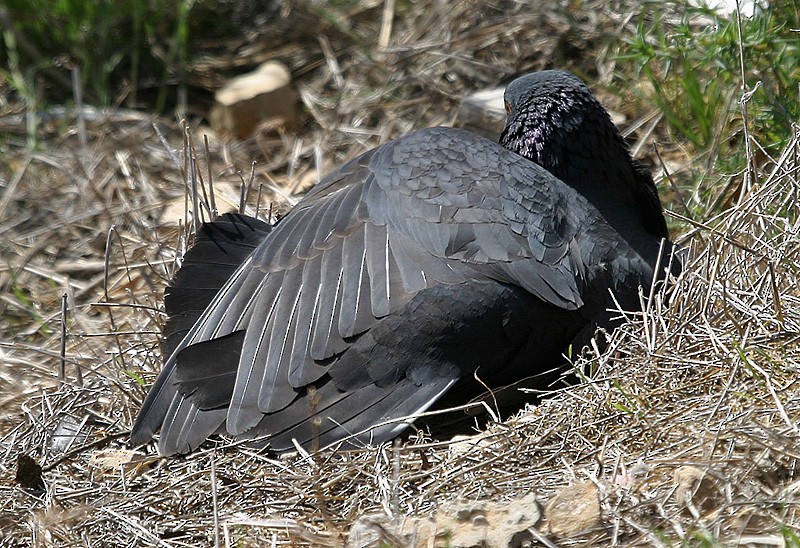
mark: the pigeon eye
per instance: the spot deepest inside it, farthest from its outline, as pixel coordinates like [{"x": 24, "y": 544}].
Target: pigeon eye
[{"x": 508, "y": 107}]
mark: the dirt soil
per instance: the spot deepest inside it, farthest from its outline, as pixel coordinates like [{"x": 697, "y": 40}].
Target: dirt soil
[{"x": 686, "y": 432}]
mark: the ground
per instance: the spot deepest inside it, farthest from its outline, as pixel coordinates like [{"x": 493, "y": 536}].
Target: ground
[{"x": 685, "y": 432}]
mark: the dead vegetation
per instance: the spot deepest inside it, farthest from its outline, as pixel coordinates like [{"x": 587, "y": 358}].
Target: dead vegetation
[{"x": 688, "y": 428}]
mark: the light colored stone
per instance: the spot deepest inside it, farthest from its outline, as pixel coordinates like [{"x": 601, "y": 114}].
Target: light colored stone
[
  {"x": 227, "y": 196},
  {"x": 378, "y": 530},
  {"x": 463, "y": 524},
  {"x": 573, "y": 509},
  {"x": 262, "y": 97},
  {"x": 483, "y": 113},
  {"x": 488, "y": 524},
  {"x": 694, "y": 488}
]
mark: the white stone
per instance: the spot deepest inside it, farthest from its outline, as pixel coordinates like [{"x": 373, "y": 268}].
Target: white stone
[{"x": 250, "y": 100}]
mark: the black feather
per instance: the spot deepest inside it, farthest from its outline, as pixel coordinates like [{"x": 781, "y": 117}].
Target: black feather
[
  {"x": 206, "y": 371},
  {"x": 219, "y": 248},
  {"x": 406, "y": 273}
]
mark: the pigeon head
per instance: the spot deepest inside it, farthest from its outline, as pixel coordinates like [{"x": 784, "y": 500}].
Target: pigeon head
[
  {"x": 552, "y": 115},
  {"x": 556, "y": 121}
]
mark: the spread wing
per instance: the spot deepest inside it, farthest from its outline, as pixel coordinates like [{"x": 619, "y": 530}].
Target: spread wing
[{"x": 439, "y": 210}]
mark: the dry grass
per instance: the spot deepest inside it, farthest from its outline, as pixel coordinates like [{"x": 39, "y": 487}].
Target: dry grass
[{"x": 708, "y": 382}]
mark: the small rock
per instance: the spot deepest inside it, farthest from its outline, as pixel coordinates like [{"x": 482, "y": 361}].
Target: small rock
[
  {"x": 483, "y": 113},
  {"x": 693, "y": 487},
  {"x": 464, "y": 524},
  {"x": 227, "y": 196},
  {"x": 377, "y": 530},
  {"x": 464, "y": 444},
  {"x": 633, "y": 477},
  {"x": 111, "y": 459},
  {"x": 574, "y": 509},
  {"x": 488, "y": 524},
  {"x": 264, "y": 96}
]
